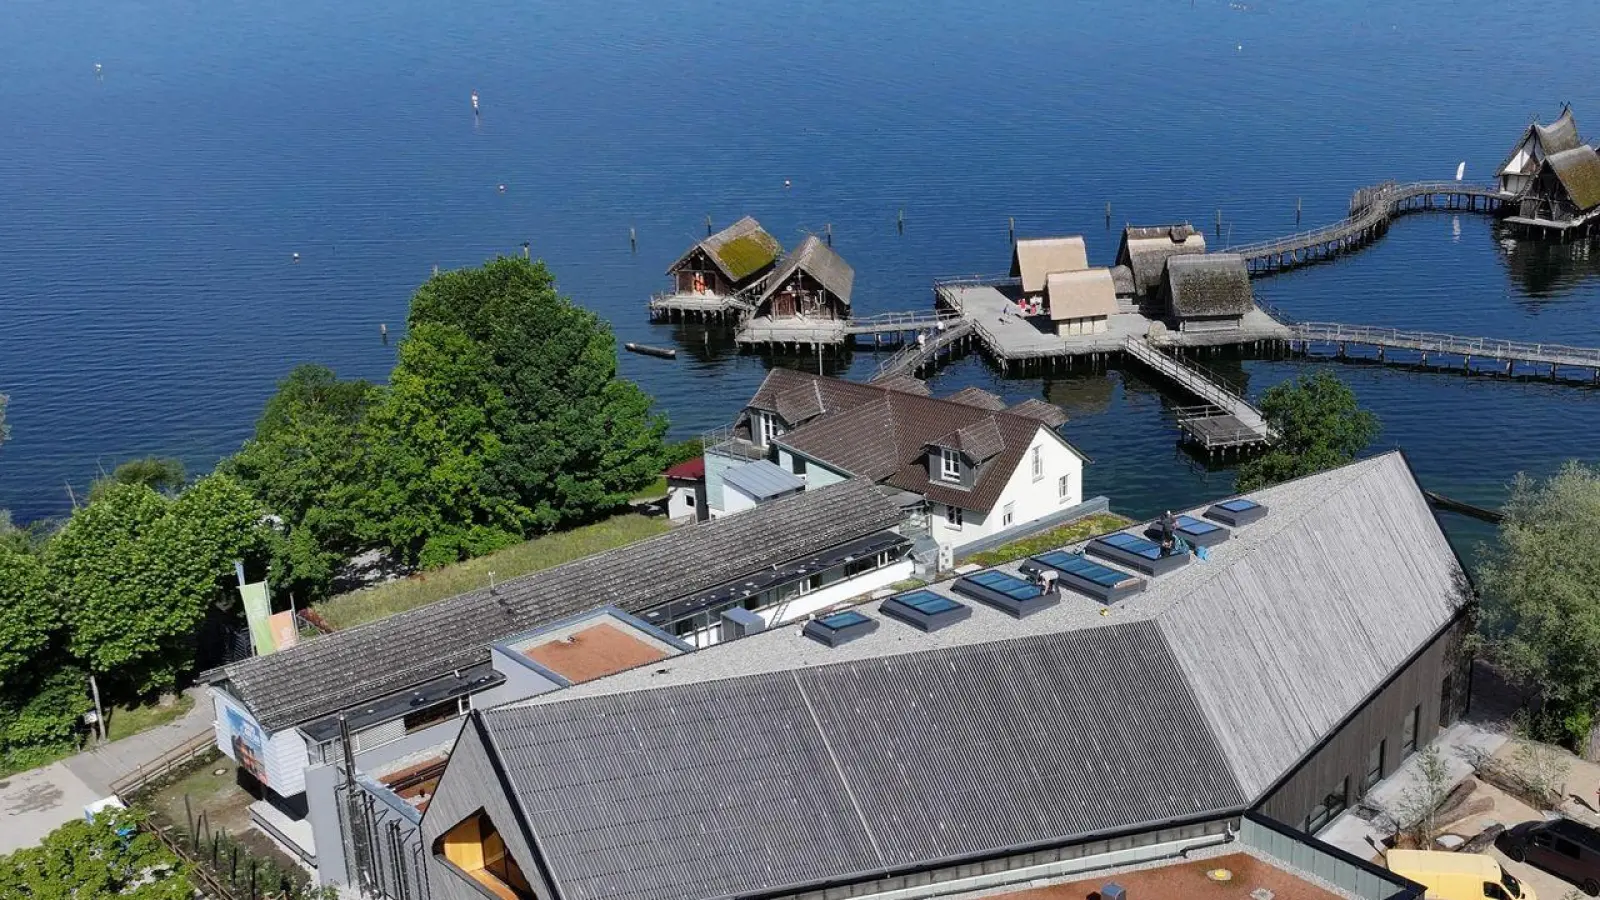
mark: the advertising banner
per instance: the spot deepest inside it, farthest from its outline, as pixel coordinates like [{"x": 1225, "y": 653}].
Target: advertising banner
[{"x": 257, "y": 613}]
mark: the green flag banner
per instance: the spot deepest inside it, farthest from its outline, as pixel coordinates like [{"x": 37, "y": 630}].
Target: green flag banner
[{"x": 258, "y": 613}]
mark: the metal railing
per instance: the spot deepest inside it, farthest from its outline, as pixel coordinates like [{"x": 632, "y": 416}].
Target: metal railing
[
  {"x": 1435, "y": 342},
  {"x": 914, "y": 355},
  {"x": 899, "y": 321}
]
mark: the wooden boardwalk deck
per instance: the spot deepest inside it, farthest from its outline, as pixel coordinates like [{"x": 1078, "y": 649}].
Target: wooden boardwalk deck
[
  {"x": 1425, "y": 343},
  {"x": 679, "y": 304},
  {"x": 1371, "y": 211},
  {"x": 918, "y": 356},
  {"x": 1226, "y": 419}
]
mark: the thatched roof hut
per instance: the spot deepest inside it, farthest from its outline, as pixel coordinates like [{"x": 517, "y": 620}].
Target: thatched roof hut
[
  {"x": 1211, "y": 288},
  {"x": 1574, "y": 173},
  {"x": 1538, "y": 143},
  {"x": 1034, "y": 259},
  {"x": 812, "y": 280},
  {"x": 1145, "y": 250},
  {"x": 729, "y": 260},
  {"x": 1089, "y": 294}
]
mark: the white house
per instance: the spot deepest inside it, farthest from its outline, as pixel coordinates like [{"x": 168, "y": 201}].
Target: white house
[{"x": 969, "y": 466}]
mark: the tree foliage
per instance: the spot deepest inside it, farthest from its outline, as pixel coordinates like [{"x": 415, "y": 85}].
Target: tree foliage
[
  {"x": 30, "y": 619},
  {"x": 162, "y": 474},
  {"x": 108, "y": 859},
  {"x": 135, "y": 572},
  {"x": 577, "y": 439},
  {"x": 1319, "y": 426},
  {"x": 1541, "y": 598},
  {"x": 302, "y": 466}
]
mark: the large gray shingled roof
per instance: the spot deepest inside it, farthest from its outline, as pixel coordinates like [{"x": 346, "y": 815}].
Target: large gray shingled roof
[{"x": 332, "y": 673}]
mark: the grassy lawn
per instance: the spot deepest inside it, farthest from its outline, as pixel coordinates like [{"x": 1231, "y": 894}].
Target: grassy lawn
[
  {"x": 122, "y": 721},
  {"x": 540, "y": 553},
  {"x": 1070, "y": 533},
  {"x": 655, "y": 490}
]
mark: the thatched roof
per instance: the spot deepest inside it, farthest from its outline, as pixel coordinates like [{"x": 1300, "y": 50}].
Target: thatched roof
[
  {"x": 1214, "y": 284},
  {"x": 1578, "y": 170},
  {"x": 1081, "y": 295},
  {"x": 1033, "y": 259},
  {"x": 739, "y": 251},
  {"x": 1539, "y": 142},
  {"x": 820, "y": 262},
  {"x": 1122, "y": 277},
  {"x": 1146, "y": 248},
  {"x": 976, "y": 396}
]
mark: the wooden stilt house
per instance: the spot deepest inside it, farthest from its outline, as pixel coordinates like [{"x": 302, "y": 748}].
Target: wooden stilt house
[
  {"x": 1145, "y": 250},
  {"x": 1566, "y": 187},
  {"x": 1538, "y": 142},
  {"x": 727, "y": 262},
  {"x": 813, "y": 281}
]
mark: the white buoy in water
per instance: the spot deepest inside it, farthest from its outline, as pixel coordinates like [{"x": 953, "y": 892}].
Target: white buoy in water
[
  {"x": 786, "y": 182},
  {"x": 296, "y": 257},
  {"x": 97, "y": 68},
  {"x": 474, "y": 101},
  {"x": 1461, "y": 170}
]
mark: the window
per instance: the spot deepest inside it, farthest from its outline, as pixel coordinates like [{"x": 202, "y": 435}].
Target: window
[
  {"x": 1329, "y": 809},
  {"x": 418, "y": 719},
  {"x": 1408, "y": 732},
  {"x": 799, "y": 465},
  {"x": 767, "y": 428},
  {"x": 952, "y": 517},
  {"x": 866, "y": 564},
  {"x": 1008, "y": 513},
  {"x": 949, "y": 464},
  {"x": 475, "y": 849},
  {"x": 1038, "y": 463},
  {"x": 1064, "y": 488},
  {"x": 1374, "y": 767}
]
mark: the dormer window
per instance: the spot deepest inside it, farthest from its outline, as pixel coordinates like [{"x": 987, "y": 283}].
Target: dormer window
[
  {"x": 949, "y": 464},
  {"x": 768, "y": 428}
]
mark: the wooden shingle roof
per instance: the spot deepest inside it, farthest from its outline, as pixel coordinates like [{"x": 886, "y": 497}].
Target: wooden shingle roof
[
  {"x": 347, "y": 668},
  {"x": 818, "y": 260},
  {"x": 1578, "y": 170},
  {"x": 1216, "y": 284},
  {"x": 1145, "y": 250}
]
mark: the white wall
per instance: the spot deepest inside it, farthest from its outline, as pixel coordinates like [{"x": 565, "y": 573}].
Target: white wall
[
  {"x": 796, "y": 608},
  {"x": 682, "y": 504},
  {"x": 282, "y": 755},
  {"x": 735, "y": 500},
  {"x": 1032, "y": 499},
  {"x": 817, "y": 475}
]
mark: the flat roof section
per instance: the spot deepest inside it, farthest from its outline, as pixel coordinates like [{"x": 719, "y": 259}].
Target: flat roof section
[
  {"x": 593, "y": 652},
  {"x": 1247, "y": 875}
]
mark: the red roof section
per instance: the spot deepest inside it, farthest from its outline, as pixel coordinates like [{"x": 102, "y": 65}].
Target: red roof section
[{"x": 691, "y": 470}]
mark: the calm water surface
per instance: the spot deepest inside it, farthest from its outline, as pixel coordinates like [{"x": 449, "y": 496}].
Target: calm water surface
[{"x": 147, "y": 218}]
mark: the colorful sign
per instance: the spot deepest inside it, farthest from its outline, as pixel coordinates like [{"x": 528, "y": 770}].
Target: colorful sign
[
  {"x": 249, "y": 744},
  {"x": 285, "y": 633}
]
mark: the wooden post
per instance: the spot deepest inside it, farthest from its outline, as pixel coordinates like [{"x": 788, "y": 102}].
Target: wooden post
[
  {"x": 827, "y": 231},
  {"x": 1011, "y": 228},
  {"x": 900, "y": 223},
  {"x": 1297, "y": 212},
  {"x": 708, "y": 225},
  {"x": 1219, "y": 223},
  {"x": 1108, "y": 215},
  {"x": 633, "y": 239}
]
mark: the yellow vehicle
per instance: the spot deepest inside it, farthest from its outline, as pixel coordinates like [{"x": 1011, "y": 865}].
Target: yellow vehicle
[{"x": 1458, "y": 876}]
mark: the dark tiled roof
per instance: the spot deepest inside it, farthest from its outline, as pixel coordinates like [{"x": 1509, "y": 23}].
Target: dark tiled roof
[
  {"x": 740, "y": 250},
  {"x": 820, "y": 262},
  {"x": 876, "y": 433},
  {"x": 976, "y": 396},
  {"x": 909, "y": 384},
  {"x": 1578, "y": 170},
  {"x": 331, "y": 673},
  {"x": 782, "y": 780},
  {"x": 1040, "y": 411},
  {"x": 1216, "y": 284}
]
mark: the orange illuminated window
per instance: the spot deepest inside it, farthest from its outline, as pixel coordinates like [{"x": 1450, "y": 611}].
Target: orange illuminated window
[{"x": 476, "y": 848}]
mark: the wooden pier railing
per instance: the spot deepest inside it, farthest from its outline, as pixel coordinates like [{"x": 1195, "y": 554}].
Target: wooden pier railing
[
  {"x": 1209, "y": 389},
  {"x": 1371, "y": 211},
  {"x": 900, "y": 321},
  {"x": 914, "y": 357},
  {"x": 1426, "y": 342}
]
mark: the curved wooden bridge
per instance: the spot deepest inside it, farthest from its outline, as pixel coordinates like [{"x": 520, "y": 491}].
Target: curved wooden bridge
[
  {"x": 1371, "y": 211},
  {"x": 1510, "y": 354}
]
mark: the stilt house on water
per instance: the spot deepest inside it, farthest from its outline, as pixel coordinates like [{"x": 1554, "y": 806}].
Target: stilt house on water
[
  {"x": 1538, "y": 142},
  {"x": 813, "y": 282},
  {"x": 1207, "y": 293},
  {"x": 1082, "y": 302},
  {"x": 727, "y": 262},
  {"x": 1034, "y": 260},
  {"x": 1145, "y": 250}
]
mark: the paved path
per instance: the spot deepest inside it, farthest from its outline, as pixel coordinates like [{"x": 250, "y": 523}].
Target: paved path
[
  {"x": 99, "y": 767},
  {"x": 32, "y": 804}
]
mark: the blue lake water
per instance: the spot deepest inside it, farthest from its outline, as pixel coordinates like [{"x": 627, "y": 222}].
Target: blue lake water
[{"x": 148, "y": 300}]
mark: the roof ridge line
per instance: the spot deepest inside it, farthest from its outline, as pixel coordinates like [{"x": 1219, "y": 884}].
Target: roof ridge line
[{"x": 833, "y": 760}]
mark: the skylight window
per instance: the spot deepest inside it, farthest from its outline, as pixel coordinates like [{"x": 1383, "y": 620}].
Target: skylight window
[{"x": 925, "y": 610}]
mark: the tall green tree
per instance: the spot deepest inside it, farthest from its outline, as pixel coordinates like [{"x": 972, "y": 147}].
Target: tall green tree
[
  {"x": 1319, "y": 426},
  {"x": 107, "y": 859},
  {"x": 1540, "y": 589},
  {"x": 429, "y": 451},
  {"x": 302, "y": 464},
  {"x": 136, "y": 571},
  {"x": 577, "y": 440},
  {"x": 30, "y": 619}
]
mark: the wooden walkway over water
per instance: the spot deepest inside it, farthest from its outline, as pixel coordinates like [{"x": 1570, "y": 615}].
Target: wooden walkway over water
[
  {"x": 917, "y": 357},
  {"x": 1371, "y": 211},
  {"x": 1505, "y": 354},
  {"x": 1225, "y": 420}
]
